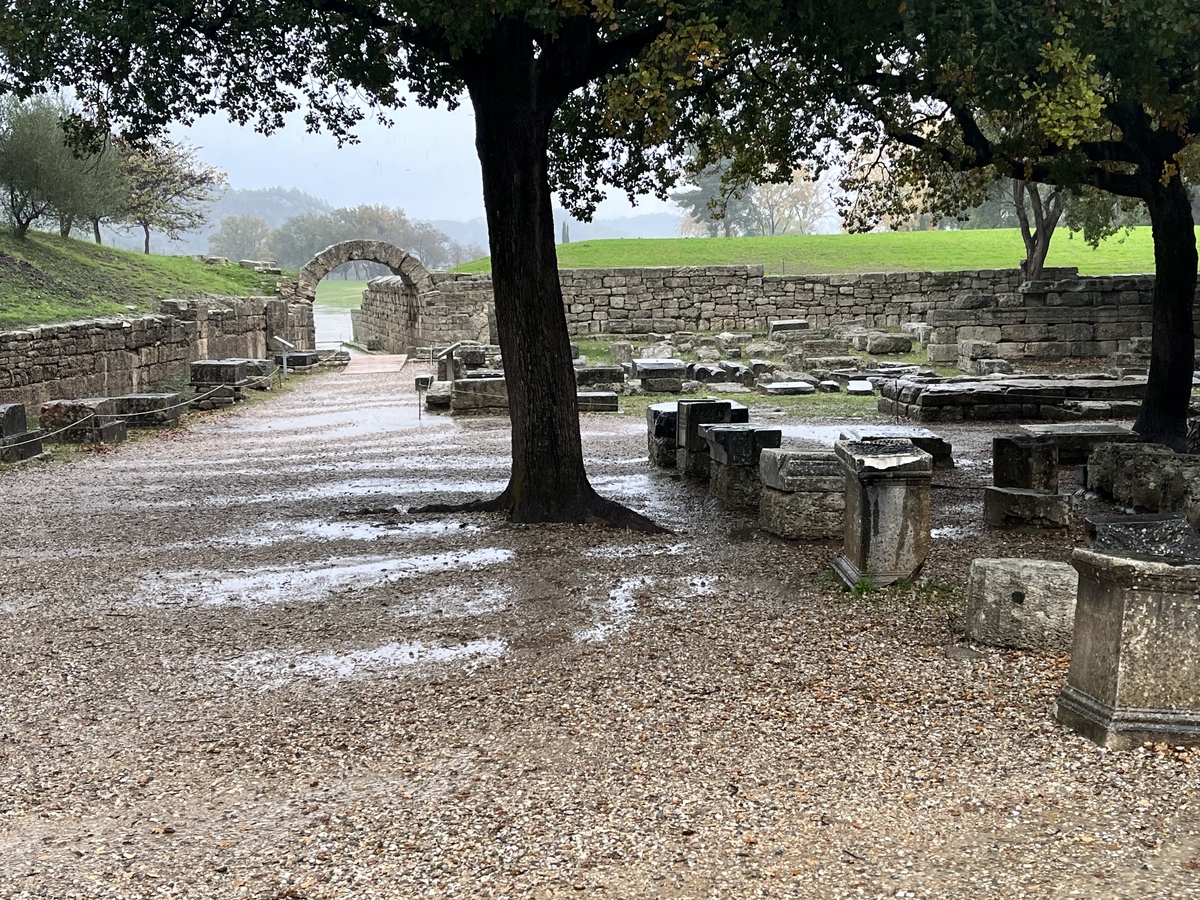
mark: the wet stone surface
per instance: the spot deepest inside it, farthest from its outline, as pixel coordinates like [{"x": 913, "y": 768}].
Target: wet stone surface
[{"x": 235, "y": 666}]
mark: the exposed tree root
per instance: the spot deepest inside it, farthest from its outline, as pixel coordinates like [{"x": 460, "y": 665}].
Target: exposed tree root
[{"x": 595, "y": 511}]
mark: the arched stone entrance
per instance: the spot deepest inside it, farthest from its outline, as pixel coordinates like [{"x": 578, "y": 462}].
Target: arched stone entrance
[{"x": 402, "y": 263}]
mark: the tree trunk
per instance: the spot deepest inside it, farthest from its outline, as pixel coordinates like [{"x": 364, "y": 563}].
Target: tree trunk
[
  {"x": 96, "y": 230},
  {"x": 1163, "y": 419},
  {"x": 1046, "y": 214},
  {"x": 146, "y": 231},
  {"x": 64, "y": 225},
  {"x": 548, "y": 481}
]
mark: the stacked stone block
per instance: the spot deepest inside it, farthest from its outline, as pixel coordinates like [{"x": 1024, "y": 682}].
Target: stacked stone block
[
  {"x": 1024, "y": 489},
  {"x": 91, "y": 420},
  {"x": 803, "y": 494},
  {"x": 734, "y": 452},
  {"x": 17, "y": 440}
]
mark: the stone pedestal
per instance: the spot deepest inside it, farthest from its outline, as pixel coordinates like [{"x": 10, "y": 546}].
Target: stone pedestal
[
  {"x": 803, "y": 494},
  {"x": 479, "y": 396},
  {"x": 1022, "y": 508},
  {"x": 734, "y": 451},
  {"x": 1077, "y": 440},
  {"x": 887, "y": 510},
  {"x": 660, "y": 433},
  {"x": 17, "y": 440},
  {"x": 149, "y": 409},
  {"x": 1135, "y": 665},
  {"x": 598, "y": 401},
  {"x": 1025, "y": 461},
  {"x": 1025, "y": 603},
  {"x": 934, "y": 444}
]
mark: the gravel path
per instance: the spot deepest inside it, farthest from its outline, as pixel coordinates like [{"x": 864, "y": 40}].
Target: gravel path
[{"x": 234, "y": 667}]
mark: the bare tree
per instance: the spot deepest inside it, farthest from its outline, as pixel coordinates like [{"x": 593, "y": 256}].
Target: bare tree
[{"x": 1047, "y": 210}]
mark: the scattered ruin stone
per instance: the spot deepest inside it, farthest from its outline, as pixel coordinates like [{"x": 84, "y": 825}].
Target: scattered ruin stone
[
  {"x": 1156, "y": 534},
  {"x": 762, "y": 366},
  {"x": 297, "y": 360},
  {"x": 940, "y": 449},
  {"x": 1009, "y": 507},
  {"x": 832, "y": 363},
  {"x": 691, "y": 455},
  {"x": 1135, "y": 663},
  {"x": 621, "y": 352},
  {"x": 1076, "y": 441},
  {"x": 82, "y": 420},
  {"x": 993, "y": 367},
  {"x": 803, "y": 494},
  {"x": 926, "y": 399},
  {"x": 859, "y": 388},
  {"x": 479, "y": 396},
  {"x": 786, "y": 388},
  {"x": 17, "y": 440},
  {"x": 1025, "y": 461},
  {"x": 887, "y": 524},
  {"x": 689, "y": 387},
  {"x": 727, "y": 341},
  {"x": 588, "y": 376},
  {"x": 764, "y": 348},
  {"x": 829, "y": 387},
  {"x": 705, "y": 374},
  {"x": 438, "y": 395},
  {"x": 707, "y": 354},
  {"x": 1147, "y": 477},
  {"x": 598, "y": 401},
  {"x": 734, "y": 451},
  {"x": 1023, "y": 603},
  {"x": 786, "y": 325},
  {"x": 231, "y": 372},
  {"x": 883, "y": 344},
  {"x": 918, "y": 331},
  {"x": 148, "y": 409}
]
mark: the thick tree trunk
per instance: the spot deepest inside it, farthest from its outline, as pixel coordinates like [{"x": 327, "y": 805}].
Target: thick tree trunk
[
  {"x": 1163, "y": 419},
  {"x": 548, "y": 481},
  {"x": 146, "y": 231},
  {"x": 96, "y": 230}
]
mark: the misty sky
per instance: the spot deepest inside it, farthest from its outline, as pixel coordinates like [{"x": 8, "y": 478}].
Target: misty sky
[{"x": 425, "y": 163}]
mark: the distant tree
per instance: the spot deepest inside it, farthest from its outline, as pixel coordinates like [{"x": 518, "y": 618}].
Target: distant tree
[
  {"x": 790, "y": 207},
  {"x": 33, "y": 157},
  {"x": 722, "y": 209},
  {"x": 274, "y": 205},
  {"x": 301, "y": 238},
  {"x": 169, "y": 188},
  {"x": 240, "y": 237},
  {"x": 431, "y": 246}
]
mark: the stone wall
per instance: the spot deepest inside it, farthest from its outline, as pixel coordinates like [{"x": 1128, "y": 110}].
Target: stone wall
[
  {"x": 1045, "y": 319},
  {"x": 396, "y": 317},
  {"x": 741, "y": 298},
  {"x": 705, "y": 298},
  {"x": 110, "y": 357}
]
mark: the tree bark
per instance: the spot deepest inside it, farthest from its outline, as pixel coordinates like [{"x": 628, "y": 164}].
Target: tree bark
[
  {"x": 1046, "y": 214},
  {"x": 96, "y": 230},
  {"x": 1163, "y": 419},
  {"x": 512, "y": 126},
  {"x": 64, "y": 226},
  {"x": 146, "y": 231}
]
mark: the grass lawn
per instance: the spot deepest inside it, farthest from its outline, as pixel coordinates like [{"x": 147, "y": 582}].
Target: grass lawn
[
  {"x": 897, "y": 251},
  {"x": 333, "y": 294},
  {"x": 45, "y": 278}
]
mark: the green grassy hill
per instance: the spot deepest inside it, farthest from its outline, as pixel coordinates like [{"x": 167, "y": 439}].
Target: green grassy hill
[
  {"x": 883, "y": 252},
  {"x": 45, "y": 278}
]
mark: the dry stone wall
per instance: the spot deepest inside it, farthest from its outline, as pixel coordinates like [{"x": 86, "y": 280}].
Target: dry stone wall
[
  {"x": 109, "y": 357},
  {"x": 396, "y": 317},
  {"x": 1047, "y": 319}
]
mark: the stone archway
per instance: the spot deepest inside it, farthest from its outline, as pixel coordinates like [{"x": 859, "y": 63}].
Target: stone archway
[{"x": 401, "y": 262}]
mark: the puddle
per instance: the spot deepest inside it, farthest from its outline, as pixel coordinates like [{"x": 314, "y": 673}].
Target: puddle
[
  {"x": 282, "y": 532},
  {"x": 630, "y": 551},
  {"x": 953, "y": 532},
  {"x": 276, "y": 669},
  {"x": 456, "y": 602},
  {"x": 621, "y": 606},
  {"x": 269, "y": 584}
]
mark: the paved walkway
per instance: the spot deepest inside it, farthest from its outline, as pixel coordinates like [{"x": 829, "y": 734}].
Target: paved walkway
[{"x": 371, "y": 364}]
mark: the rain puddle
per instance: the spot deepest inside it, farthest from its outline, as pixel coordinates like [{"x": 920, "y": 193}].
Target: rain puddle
[
  {"x": 953, "y": 532},
  {"x": 621, "y": 606},
  {"x": 456, "y": 601},
  {"x": 281, "y": 532},
  {"x": 271, "y": 584},
  {"x": 632, "y": 550},
  {"x": 276, "y": 669}
]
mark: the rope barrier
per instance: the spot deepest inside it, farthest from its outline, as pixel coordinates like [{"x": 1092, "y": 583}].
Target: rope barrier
[{"x": 93, "y": 415}]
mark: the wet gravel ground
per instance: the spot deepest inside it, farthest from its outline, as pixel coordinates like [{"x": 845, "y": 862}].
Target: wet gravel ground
[{"x": 233, "y": 666}]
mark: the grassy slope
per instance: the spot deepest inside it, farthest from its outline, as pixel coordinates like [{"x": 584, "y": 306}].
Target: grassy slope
[
  {"x": 47, "y": 279},
  {"x": 340, "y": 294},
  {"x": 882, "y": 252}
]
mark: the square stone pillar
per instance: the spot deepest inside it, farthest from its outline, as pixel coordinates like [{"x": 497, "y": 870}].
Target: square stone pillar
[
  {"x": 1025, "y": 461},
  {"x": 887, "y": 510},
  {"x": 660, "y": 433},
  {"x": 1135, "y": 666}
]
